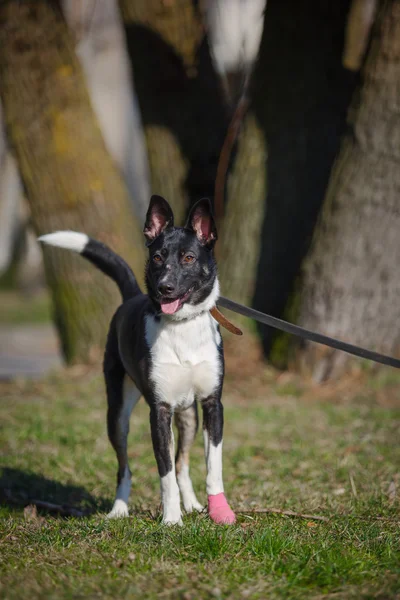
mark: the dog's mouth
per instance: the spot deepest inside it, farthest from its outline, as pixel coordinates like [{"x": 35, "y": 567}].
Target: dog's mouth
[{"x": 170, "y": 306}]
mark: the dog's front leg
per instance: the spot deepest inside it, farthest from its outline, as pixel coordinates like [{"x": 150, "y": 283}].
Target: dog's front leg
[
  {"x": 213, "y": 424},
  {"x": 163, "y": 444}
]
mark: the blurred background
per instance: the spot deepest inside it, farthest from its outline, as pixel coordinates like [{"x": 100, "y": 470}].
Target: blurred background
[{"x": 285, "y": 114}]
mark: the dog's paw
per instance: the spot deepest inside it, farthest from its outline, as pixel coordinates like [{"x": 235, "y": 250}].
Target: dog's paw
[
  {"x": 220, "y": 511},
  {"x": 189, "y": 500},
  {"x": 172, "y": 517},
  {"x": 172, "y": 521},
  {"x": 119, "y": 510},
  {"x": 192, "y": 504}
]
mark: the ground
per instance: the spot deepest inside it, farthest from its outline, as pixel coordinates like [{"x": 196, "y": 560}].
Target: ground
[
  {"x": 327, "y": 451},
  {"x": 28, "y": 340}
]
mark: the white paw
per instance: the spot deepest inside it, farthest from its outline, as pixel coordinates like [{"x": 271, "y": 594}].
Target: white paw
[
  {"x": 119, "y": 510},
  {"x": 172, "y": 516},
  {"x": 172, "y": 521},
  {"x": 191, "y": 504}
]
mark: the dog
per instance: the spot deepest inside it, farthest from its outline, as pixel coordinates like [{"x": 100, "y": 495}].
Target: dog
[{"x": 166, "y": 346}]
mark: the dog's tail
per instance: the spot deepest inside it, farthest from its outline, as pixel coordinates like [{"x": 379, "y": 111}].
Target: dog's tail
[{"x": 100, "y": 255}]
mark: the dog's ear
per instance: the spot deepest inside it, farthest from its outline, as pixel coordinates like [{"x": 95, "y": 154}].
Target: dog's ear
[
  {"x": 201, "y": 221},
  {"x": 159, "y": 217}
]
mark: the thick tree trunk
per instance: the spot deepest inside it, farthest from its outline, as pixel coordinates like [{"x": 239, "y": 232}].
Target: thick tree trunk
[
  {"x": 234, "y": 30},
  {"x": 171, "y": 28},
  {"x": 176, "y": 22},
  {"x": 240, "y": 229},
  {"x": 179, "y": 95},
  {"x": 101, "y": 49},
  {"x": 10, "y": 198},
  {"x": 70, "y": 180},
  {"x": 20, "y": 256},
  {"x": 300, "y": 97},
  {"x": 168, "y": 169},
  {"x": 351, "y": 283},
  {"x": 186, "y": 121}
]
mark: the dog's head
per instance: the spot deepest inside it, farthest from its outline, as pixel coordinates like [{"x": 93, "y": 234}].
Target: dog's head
[{"x": 181, "y": 274}]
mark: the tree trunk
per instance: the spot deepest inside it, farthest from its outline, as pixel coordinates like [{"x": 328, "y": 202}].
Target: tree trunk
[
  {"x": 300, "y": 97},
  {"x": 351, "y": 284},
  {"x": 168, "y": 168},
  {"x": 10, "y": 198},
  {"x": 172, "y": 28},
  {"x": 20, "y": 256},
  {"x": 175, "y": 22},
  {"x": 240, "y": 229},
  {"x": 186, "y": 122},
  {"x": 70, "y": 180},
  {"x": 179, "y": 95},
  {"x": 101, "y": 48},
  {"x": 234, "y": 30}
]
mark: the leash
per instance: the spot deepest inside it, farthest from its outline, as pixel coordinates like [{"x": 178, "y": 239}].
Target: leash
[
  {"x": 224, "y": 322},
  {"x": 306, "y": 334}
]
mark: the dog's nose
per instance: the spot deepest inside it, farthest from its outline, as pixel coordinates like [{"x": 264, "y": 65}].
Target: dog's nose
[{"x": 166, "y": 289}]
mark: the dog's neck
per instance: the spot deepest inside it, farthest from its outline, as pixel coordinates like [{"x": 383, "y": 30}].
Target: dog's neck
[{"x": 191, "y": 311}]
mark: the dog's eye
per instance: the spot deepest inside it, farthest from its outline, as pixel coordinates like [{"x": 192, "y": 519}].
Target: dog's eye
[
  {"x": 157, "y": 258},
  {"x": 189, "y": 258}
]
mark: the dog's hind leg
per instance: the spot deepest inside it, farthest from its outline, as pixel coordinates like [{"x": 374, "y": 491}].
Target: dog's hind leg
[
  {"x": 122, "y": 396},
  {"x": 187, "y": 423}
]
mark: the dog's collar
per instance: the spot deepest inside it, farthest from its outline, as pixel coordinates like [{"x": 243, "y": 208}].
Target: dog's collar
[
  {"x": 217, "y": 316},
  {"x": 224, "y": 322}
]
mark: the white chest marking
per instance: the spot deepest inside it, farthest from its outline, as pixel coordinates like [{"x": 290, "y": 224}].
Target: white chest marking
[{"x": 185, "y": 358}]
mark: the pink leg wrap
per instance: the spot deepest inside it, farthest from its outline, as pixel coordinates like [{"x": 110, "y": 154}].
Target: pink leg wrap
[{"x": 219, "y": 510}]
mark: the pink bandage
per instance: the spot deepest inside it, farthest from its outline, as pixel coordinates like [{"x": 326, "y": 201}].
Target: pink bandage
[{"x": 219, "y": 510}]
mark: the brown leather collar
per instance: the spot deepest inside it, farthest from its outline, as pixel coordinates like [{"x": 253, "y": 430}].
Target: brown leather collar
[{"x": 224, "y": 322}]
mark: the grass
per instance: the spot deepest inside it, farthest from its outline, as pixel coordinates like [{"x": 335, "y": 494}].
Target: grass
[
  {"x": 287, "y": 445},
  {"x": 18, "y": 309}
]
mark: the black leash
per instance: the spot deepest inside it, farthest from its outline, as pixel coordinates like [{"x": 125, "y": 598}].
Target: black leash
[{"x": 307, "y": 334}]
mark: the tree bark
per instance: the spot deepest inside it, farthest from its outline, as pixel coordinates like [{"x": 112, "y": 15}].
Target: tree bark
[
  {"x": 301, "y": 94},
  {"x": 240, "y": 228},
  {"x": 186, "y": 120},
  {"x": 234, "y": 31},
  {"x": 169, "y": 28},
  {"x": 101, "y": 48},
  {"x": 168, "y": 168},
  {"x": 175, "y": 22},
  {"x": 70, "y": 180},
  {"x": 351, "y": 284}
]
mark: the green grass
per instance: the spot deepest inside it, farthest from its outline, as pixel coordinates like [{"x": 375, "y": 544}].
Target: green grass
[
  {"x": 16, "y": 308},
  {"x": 283, "y": 449}
]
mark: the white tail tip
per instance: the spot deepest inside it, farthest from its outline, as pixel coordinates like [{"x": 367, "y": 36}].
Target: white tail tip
[{"x": 72, "y": 240}]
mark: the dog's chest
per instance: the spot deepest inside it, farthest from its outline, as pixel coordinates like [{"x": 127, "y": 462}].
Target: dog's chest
[{"x": 185, "y": 359}]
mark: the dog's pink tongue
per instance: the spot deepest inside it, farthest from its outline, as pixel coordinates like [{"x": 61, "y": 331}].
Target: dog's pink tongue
[{"x": 169, "y": 308}]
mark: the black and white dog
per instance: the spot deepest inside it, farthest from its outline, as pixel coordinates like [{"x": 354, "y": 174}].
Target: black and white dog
[{"x": 167, "y": 347}]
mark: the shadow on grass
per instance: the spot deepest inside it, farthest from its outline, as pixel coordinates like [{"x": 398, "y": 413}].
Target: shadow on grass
[{"x": 21, "y": 488}]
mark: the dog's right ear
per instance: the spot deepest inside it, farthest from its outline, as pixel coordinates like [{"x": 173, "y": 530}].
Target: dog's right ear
[{"x": 159, "y": 217}]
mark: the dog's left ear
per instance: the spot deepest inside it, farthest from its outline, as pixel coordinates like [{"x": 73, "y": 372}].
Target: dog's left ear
[
  {"x": 201, "y": 221},
  {"x": 159, "y": 217}
]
